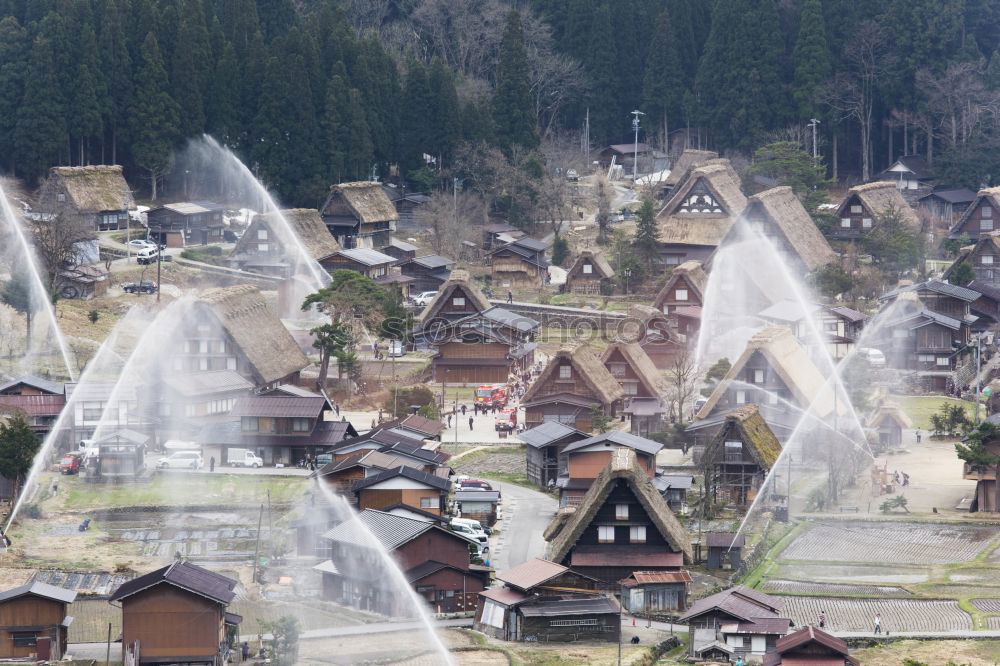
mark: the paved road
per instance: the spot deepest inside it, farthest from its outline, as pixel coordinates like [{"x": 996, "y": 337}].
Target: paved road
[
  {"x": 263, "y": 471},
  {"x": 525, "y": 513}
]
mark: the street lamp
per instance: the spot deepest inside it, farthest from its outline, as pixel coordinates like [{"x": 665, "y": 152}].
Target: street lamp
[
  {"x": 635, "y": 153},
  {"x": 813, "y": 123}
]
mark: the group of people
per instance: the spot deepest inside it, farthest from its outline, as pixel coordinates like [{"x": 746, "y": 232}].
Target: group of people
[
  {"x": 901, "y": 478},
  {"x": 877, "y": 622}
]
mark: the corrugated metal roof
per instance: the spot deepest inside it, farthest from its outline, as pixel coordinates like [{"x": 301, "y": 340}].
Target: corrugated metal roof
[
  {"x": 425, "y": 569},
  {"x": 571, "y": 606},
  {"x": 39, "y": 589},
  {"x": 186, "y": 208},
  {"x": 477, "y": 496},
  {"x": 760, "y": 625},
  {"x": 434, "y": 261},
  {"x": 740, "y": 602},
  {"x": 389, "y": 529},
  {"x": 619, "y": 438},
  {"x": 407, "y": 473},
  {"x": 202, "y": 383},
  {"x": 504, "y": 596},
  {"x": 547, "y": 433},
  {"x": 279, "y": 406},
  {"x": 531, "y": 573},
  {"x": 724, "y": 540},
  {"x": 402, "y": 245},
  {"x": 652, "y": 577},
  {"x": 508, "y": 318},
  {"x": 35, "y": 382},
  {"x": 366, "y": 256}
]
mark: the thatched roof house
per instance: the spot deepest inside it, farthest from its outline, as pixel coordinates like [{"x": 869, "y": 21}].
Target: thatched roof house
[
  {"x": 267, "y": 353},
  {"x": 864, "y": 204},
  {"x": 96, "y": 194},
  {"x": 779, "y": 215},
  {"x": 573, "y": 536},
  {"x": 589, "y": 271},
  {"x": 685, "y": 287},
  {"x": 700, "y": 212},
  {"x": 268, "y": 246},
  {"x": 746, "y": 425},
  {"x": 459, "y": 297},
  {"x": 572, "y": 384},
  {"x": 688, "y": 160},
  {"x": 638, "y": 377},
  {"x": 981, "y": 217},
  {"x": 360, "y": 214}
]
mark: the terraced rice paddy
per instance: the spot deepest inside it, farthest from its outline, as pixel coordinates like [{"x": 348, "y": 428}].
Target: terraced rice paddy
[
  {"x": 833, "y": 589},
  {"x": 888, "y": 543},
  {"x": 897, "y": 614},
  {"x": 987, "y": 605}
]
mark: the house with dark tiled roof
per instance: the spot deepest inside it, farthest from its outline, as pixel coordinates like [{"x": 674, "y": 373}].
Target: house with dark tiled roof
[
  {"x": 621, "y": 525},
  {"x": 810, "y": 645},
  {"x": 946, "y": 205},
  {"x": 737, "y": 622},
  {"x": 540, "y": 600},
  {"x": 520, "y": 264},
  {"x": 402, "y": 485},
  {"x": 176, "y": 614},
  {"x": 908, "y": 172},
  {"x": 428, "y": 272},
  {"x": 544, "y": 451}
]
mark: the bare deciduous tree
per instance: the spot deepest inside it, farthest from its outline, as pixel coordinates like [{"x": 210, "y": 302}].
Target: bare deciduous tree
[
  {"x": 56, "y": 243},
  {"x": 451, "y": 219},
  {"x": 683, "y": 376}
]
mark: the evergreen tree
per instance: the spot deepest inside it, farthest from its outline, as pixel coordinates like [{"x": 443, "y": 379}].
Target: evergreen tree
[
  {"x": 276, "y": 17},
  {"x": 445, "y": 130},
  {"x": 993, "y": 71},
  {"x": 663, "y": 84},
  {"x": 153, "y": 116},
  {"x": 221, "y": 114},
  {"x": 647, "y": 235},
  {"x": 88, "y": 91},
  {"x": 40, "y": 134},
  {"x": 116, "y": 67},
  {"x": 335, "y": 130},
  {"x": 13, "y": 42},
  {"x": 513, "y": 112},
  {"x": 18, "y": 446},
  {"x": 189, "y": 74},
  {"x": 811, "y": 59},
  {"x": 415, "y": 131},
  {"x": 361, "y": 149}
]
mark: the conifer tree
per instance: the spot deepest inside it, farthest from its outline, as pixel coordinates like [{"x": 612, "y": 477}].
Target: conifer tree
[
  {"x": 445, "y": 130},
  {"x": 40, "y": 134},
  {"x": 13, "y": 42},
  {"x": 415, "y": 131},
  {"x": 361, "y": 149},
  {"x": 190, "y": 67},
  {"x": 811, "y": 59},
  {"x": 513, "y": 112},
  {"x": 221, "y": 114},
  {"x": 116, "y": 66},
  {"x": 647, "y": 235},
  {"x": 336, "y": 136},
  {"x": 153, "y": 116},
  {"x": 663, "y": 84},
  {"x": 88, "y": 91},
  {"x": 993, "y": 71}
]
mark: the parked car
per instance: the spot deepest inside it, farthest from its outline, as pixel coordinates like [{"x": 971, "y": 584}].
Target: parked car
[
  {"x": 424, "y": 298},
  {"x": 474, "y": 524},
  {"x": 182, "y": 460},
  {"x": 70, "y": 463},
  {"x": 474, "y": 484},
  {"x": 572, "y": 175},
  {"x": 875, "y": 357},
  {"x": 147, "y": 255},
  {"x": 140, "y": 244},
  {"x": 143, "y": 287},
  {"x": 469, "y": 533},
  {"x": 244, "y": 458}
]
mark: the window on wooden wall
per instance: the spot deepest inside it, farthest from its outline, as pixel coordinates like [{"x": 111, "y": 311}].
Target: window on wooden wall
[
  {"x": 621, "y": 511},
  {"x": 637, "y": 534},
  {"x": 605, "y": 534},
  {"x": 565, "y": 372}
]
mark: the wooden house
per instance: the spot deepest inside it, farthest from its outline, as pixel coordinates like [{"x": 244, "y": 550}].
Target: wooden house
[
  {"x": 739, "y": 457},
  {"x": 342, "y": 474},
  {"x": 774, "y": 372},
  {"x": 83, "y": 281},
  {"x": 622, "y": 525},
  {"x": 186, "y": 223},
  {"x": 699, "y": 213},
  {"x": 377, "y": 439},
  {"x": 983, "y": 257},
  {"x": 937, "y": 319},
  {"x": 986, "y": 498},
  {"x": 477, "y": 504},
  {"x": 429, "y": 272},
  {"x": 38, "y": 400},
  {"x": 484, "y": 348},
  {"x": 709, "y": 618},
  {"x": 237, "y": 330},
  {"x": 725, "y": 550},
  {"x": 836, "y": 328},
  {"x": 401, "y": 250},
  {"x": 810, "y": 645},
  {"x": 414, "y": 426},
  {"x": 864, "y": 204},
  {"x": 458, "y": 298},
  {"x": 584, "y": 461},
  {"x": 656, "y": 335},
  {"x": 908, "y": 172},
  {"x": 402, "y": 485},
  {"x": 121, "y": 456},
  {"x": 571, "y": 387},
  {"x": 986, "y": 307},
  {"x": 188, "y": 401},
  {"x": 633, "y": 369},
  {"x": 590, "y": 274},
  {"x": 177, "y": 614},
  {"x": 434, "y": 560},
  {"x": 359, "y": 215},
  {"x": 370, "y": 263},
  {"x": 947, "y": 206},
  {"x": 492, "y": 235},
  {"x": 96, "y": 403},
  {"x": 545, "y": 445},
  {"x": 645, "y": 415},
  {"x": 34, "y": 623},
  {"x": 520, "y": 264},
  {"x": 778, "y": 215},
  {"x": 841, "y": 327},
  {"x": 981, "y": 217},
  {"x": 684, "y": 288},
  {"x": 888, "y": 421},
  {"x": 544, "y": 601},
  {"x": 624, "y": 154},
  {"x": 653, "y": 593},
  {"x": 274, "y": 243},
  {"x": 688, "y": 160},
  {"x": 93, "y": 197}
]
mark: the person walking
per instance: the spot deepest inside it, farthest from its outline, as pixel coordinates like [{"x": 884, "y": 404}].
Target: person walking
[
  {"x": 822, "y": 619},
  {"x": 475, "y": 408},
  {"x": 337, "y": 408},
  {"x": 918, "y": 437},
  {"x": 510, "y": 296},
  {"x": 211, "y": 464},
  {"x": 463, "y": 410},
  {"x": 449, "y": 420},
  {"x": 470, "y": 422},
  {"x": 245, "y": 651},
  {"x": 878, "y": 623}
]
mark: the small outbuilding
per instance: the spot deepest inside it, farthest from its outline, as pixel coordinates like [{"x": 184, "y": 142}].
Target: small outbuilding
[
  {"x": 655, "y": 592},
  {"x": 888, "y": 422},
  {"x": 33, "y": 622},
  {"x": 725, "y": 550},
  {"x": 590, "y": 274}
]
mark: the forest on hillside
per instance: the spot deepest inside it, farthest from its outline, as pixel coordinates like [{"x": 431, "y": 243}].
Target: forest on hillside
[{"x": 311, "y": 92}]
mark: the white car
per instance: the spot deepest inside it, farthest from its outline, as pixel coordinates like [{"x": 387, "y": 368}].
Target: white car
[
  {"x": 182, "y": 460},
  {"x": 140, "y": 244},
  {"x": 424, "y": 298}
]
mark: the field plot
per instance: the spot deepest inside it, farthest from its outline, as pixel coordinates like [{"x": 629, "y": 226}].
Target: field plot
[
  {"x": 897, "y": 614},
  {"x": 834, "y": 589},
  {"x": 987, "y": 605},
  {"x": 888, "y": 543}
]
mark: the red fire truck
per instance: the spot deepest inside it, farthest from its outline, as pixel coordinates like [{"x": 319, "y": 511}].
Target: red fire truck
[{"x": 491, "y": 394}]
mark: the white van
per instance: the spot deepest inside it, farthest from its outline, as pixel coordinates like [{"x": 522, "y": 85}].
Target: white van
[
  {"x": 475, "y": 525},
  {"x": 875, "y": 357},
  {"x": 469, "y": 533},
  {"x": 243, "y": 458},
  {"x": 147, "y": 255}
]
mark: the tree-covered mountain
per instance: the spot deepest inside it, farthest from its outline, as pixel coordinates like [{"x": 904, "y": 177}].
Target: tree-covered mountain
[{"x": 311, "y": 92}]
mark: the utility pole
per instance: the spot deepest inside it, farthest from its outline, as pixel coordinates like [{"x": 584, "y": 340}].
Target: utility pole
[
  {"x": 256, "y": 550},
  {"x": 635, "y": 153},
  {"x": 159, "y": 262},
  {"x": 979, "y": 388},
  {"x": 813, "y": 123}
]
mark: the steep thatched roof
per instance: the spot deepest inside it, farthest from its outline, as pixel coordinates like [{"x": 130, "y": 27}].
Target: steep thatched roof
[
  {"x": 625, "y": 466},
  {"x": 605, "y": 387},
  {"x": 686, "y": 228},
  {"x": 693, "y": 274},
  {"x": 990, "y": 194},
  {"x": 879, "y": 197},
  {"x": 640, "y": 363},
  {"x": 92, "y": 189},
  {"x": 790, "y": 361},
  {"x": 250, "y": 322},
  {"x": 782, "y": 208},
  {"x": 604, "y": 269},
  {"x": 748, "y": 426},
  {"x": 889, "y": 410},
  {"x": 458, "y": 280},
  {"x": 688, "y": 160},
  {"x": 303, "y": 222},
  {"x": 364, "y": 200}
]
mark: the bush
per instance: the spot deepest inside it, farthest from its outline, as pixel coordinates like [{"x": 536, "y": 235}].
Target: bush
[
  {"x": 560, "y": 251},
  {"x": 401, "y": 399}
]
